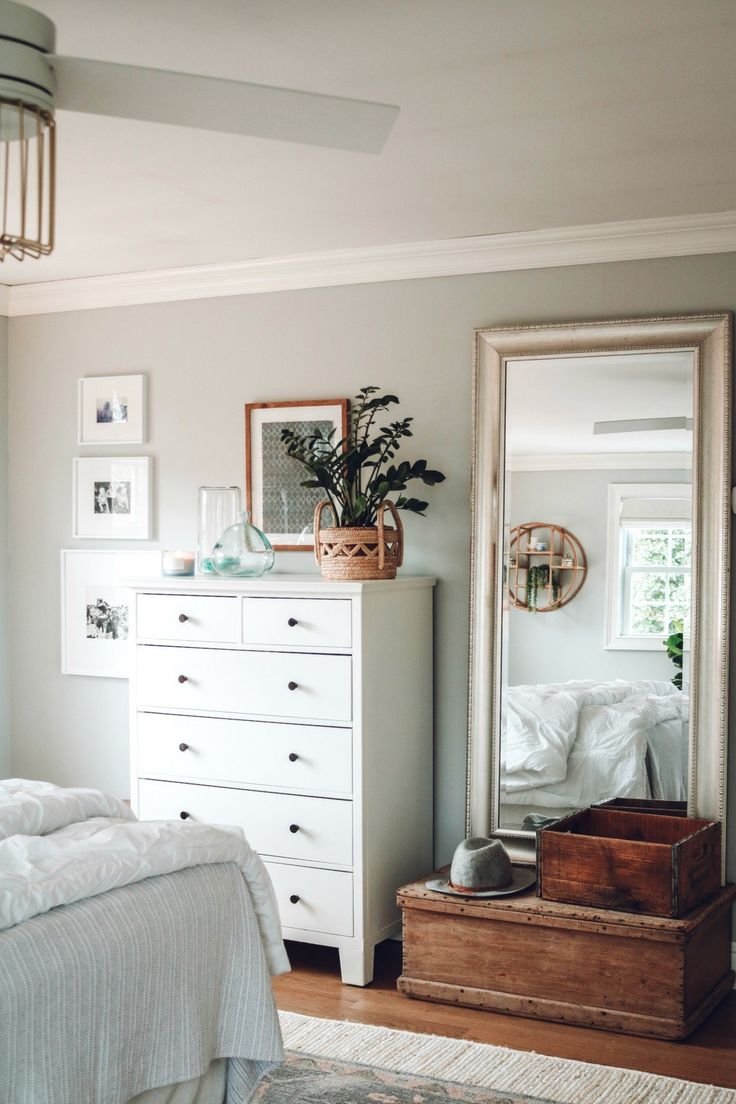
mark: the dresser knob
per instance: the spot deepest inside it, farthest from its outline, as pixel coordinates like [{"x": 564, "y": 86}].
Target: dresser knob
[
  {"x": 293, "y": 828},
  {"x": 183, "y": 747},
  {"x": 184, "y": 815},
  {"x": 183, "y": 679},
  {"x": 292, "y": 686},
  {"x": 294, "y": 898},
  {"x": 183, "y": 617},
  {"x": 292, "y": 622},
  {"x": 293, "y": 757}
]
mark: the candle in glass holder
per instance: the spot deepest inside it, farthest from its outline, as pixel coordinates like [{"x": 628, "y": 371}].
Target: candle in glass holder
[{"x": 177, "y": 563}]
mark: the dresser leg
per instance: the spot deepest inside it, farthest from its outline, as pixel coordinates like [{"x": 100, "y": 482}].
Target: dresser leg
[{"x": 356, "y": 964}]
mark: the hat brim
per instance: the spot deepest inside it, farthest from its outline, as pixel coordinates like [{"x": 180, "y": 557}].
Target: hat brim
[{"x": 521, "y": 878}]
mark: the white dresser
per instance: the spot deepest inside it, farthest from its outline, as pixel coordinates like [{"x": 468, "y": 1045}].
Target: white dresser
[{"x": 300, "y": 710}]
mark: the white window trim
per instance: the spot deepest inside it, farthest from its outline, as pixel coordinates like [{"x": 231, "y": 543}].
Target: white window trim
[{"x": 614, "y": 641}]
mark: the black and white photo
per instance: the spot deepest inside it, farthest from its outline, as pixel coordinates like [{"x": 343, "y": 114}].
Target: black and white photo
[
  {"x": 112, "y": 497},
  {"x": 107, "y": 614},
  {"x": 111, "y": 410}
]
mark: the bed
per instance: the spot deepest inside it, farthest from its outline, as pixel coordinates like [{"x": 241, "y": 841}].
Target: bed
[
  {"x": 135, "y": 958},
  {"x": 567, "y": 745}
]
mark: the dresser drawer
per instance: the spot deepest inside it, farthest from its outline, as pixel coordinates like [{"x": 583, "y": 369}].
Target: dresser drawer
[
  {"x": 275, "y": 684},
  {"x": 257, "y": 753},
  {"x": 323, "y": 827},
  {"x": 324, "y": 898},
  {"x": 298, "y": 622},
  {"x": 188, "y": 617}
]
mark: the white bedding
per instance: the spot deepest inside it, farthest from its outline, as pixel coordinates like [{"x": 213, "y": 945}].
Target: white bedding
[
  {"x": 105, "y": 921},
  {"x": 600, "y": 754}
]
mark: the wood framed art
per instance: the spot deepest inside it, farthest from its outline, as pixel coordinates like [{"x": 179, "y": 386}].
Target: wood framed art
[
  {"x": 95, "y": 606},
  {"x": 112, "y": 497},
  {"x": 274, "y": 496},
  {"x": 111, "y": 410}
]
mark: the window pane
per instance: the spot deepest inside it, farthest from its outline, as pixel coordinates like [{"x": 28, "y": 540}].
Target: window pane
[
  {"x": 649, "y": 546},
  {"x": 648, "y": 602},
  {"x": 681, "y": 547},
  {"x": 678, "y": 613}
]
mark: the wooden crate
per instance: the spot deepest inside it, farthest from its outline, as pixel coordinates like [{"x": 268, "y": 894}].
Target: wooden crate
[
  {"x": 636, "y": 861},
  {"x": 648, "y": 805},
  {"x": 617, "y": 971}
]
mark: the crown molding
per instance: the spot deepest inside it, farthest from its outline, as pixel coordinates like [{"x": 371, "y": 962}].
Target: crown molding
[
  {"x": 4, "y": 300},
  {"x": 640, "y": 239},
  {"x": 602, "y": 461}
]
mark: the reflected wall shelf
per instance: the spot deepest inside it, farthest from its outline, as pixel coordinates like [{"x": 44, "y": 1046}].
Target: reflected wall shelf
[{"x": 556, "y": 560}]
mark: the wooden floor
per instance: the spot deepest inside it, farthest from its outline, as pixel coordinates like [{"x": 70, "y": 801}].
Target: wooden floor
[{"x": 314, "y": 989}]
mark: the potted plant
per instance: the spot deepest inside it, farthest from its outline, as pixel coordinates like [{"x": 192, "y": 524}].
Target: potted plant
[{"x": 357, "y": 475}]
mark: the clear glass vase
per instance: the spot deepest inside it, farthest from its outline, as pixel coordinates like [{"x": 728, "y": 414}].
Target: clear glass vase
[
  {"x": 217, "y": 508},
  {"x": 243, "y": 550}
]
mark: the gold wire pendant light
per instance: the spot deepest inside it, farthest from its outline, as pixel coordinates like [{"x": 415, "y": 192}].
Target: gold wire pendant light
[{"x": 27, "y": 180}]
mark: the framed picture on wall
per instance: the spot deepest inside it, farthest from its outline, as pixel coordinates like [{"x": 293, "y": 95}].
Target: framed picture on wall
[
  {"x": 112, "y": 497},
  {"x": 277, "y": 502},
  {"x": 95, "y": 609},
  {"x": 111, "y": 410}
]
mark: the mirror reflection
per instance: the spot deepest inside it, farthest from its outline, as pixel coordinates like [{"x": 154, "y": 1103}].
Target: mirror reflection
[{"x": 597, "y": 558}]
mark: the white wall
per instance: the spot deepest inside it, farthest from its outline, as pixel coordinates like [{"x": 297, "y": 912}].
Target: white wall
[
  {"x": 204, "y": 360},
  {"x": 569, "y": 643}
]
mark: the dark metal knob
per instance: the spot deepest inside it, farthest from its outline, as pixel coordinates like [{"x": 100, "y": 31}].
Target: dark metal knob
[
  {"x": 183, "y": 617},
  {"x": 293, "y": 757},
  {"x": 184, "y": 815},
  {"x": 183, "y": 678},
  {"x": 292, "y": 622},
  {"x": 292, "y": 686},
  {"x": 293, "y": 828},
  {"x": 183, "y": 747},
  {"x": 294, "y": 898}
]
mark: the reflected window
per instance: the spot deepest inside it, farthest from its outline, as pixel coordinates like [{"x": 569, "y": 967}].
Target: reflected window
[{"x": 649, "y": 563}]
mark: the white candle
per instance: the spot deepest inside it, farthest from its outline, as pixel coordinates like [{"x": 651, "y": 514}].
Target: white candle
[{"x": 177, "y": 563}]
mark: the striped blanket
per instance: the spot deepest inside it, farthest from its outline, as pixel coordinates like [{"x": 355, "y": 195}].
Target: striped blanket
[{"x": 131, "y": 955}]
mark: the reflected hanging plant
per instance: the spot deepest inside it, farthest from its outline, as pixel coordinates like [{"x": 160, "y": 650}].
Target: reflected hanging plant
[{"x": 538, "y": 579}]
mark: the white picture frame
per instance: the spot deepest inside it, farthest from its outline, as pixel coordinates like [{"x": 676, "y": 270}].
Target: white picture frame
[
  {"x": 111, "y": 410},
  {"x": 112, "y": 497},
  {"x": 95, "y": 609}
]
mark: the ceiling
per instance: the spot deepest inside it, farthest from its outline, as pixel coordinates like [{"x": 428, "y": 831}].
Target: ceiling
[
  {"x": 515, "y": 115},
  {"x": 551, "y": 404}
]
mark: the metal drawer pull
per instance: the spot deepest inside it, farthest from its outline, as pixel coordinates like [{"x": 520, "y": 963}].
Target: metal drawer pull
[
  {"x": 292, "y": 622},
  {"x": 294, "y": 898},
  {"x": 293, "y": 685},
  {"x": 183, "y": 617},
  {"x": 293, "y": 757},
  {"x": 293, "y": 828},
  {"x": 183, "y": 678},
  {"x": 184, "y": 815},
  {"x": 183, "y": 747}
]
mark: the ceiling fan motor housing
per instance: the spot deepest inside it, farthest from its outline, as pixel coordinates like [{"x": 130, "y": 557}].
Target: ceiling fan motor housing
[{"x": 26, "y": 39}]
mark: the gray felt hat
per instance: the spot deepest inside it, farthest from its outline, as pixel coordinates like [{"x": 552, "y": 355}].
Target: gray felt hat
[{"x": 482, "y": 868}]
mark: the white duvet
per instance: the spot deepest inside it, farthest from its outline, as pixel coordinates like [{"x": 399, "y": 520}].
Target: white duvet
[
  {"x": 570, "y": 744},
  {"x": 58, "y": 846}
]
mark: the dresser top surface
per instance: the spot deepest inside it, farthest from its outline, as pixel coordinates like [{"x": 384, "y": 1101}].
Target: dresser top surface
[{"x": 276, "y": 583}]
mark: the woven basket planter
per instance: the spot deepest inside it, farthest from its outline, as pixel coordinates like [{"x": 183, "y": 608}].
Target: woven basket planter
[{"x": 373, "y": 552}]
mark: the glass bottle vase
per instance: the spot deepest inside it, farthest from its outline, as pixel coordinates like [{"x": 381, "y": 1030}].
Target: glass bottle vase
[{"x": 243, "y": 550}]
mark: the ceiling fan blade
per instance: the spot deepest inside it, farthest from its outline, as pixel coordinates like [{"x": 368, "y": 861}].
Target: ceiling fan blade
[
  {"x": 642, "y": 425},
  {"x": 207, "y": 103}
]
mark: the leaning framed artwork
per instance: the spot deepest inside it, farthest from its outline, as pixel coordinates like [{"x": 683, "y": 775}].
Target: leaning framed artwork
[
  {"x": 274, "y": 495},
  {"x": 95, "y": 608},
  {"x": 112, "y": 497},
  {"x": 111, "y": 410}
]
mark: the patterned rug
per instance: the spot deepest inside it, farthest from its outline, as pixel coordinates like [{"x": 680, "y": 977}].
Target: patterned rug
[{"x": 332, "y": 1062}]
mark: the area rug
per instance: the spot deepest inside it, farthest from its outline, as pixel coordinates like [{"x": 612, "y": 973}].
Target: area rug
[{"x": 332, "y": 1062}]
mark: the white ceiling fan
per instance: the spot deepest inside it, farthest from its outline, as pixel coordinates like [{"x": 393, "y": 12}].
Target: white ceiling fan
[{"x": 34, "y": 81}]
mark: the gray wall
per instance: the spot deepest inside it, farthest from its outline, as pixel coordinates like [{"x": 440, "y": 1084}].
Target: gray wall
[
  {"x": 5, "y": 751},
  {"x": 204, "y": 360},
  {"x": 570, "y": 643}
]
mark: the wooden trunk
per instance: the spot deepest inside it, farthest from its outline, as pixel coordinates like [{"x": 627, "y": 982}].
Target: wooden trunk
[
  {"x": 637, "y": 861},
  {"x": 528, "y": 957}
]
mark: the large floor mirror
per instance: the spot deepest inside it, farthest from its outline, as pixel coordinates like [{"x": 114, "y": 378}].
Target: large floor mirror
[{"x": 600, "y": 568}]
